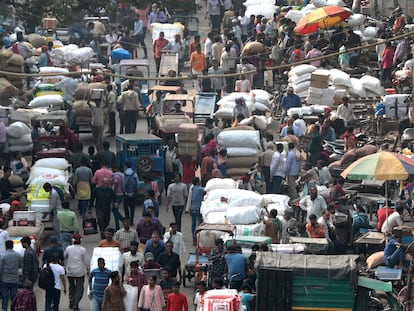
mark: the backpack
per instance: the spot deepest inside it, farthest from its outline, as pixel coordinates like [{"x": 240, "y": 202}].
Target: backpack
[
  {"x": 130, "y": 183},
  {"x": 46, "y": 278},
  {"x": 60, "y": 193}
]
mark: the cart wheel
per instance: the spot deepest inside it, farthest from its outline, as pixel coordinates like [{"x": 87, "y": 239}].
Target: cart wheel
[{"x": 144, "y": 165}]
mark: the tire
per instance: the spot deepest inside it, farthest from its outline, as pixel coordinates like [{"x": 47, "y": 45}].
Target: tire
[{"x": 144, "y": 165}]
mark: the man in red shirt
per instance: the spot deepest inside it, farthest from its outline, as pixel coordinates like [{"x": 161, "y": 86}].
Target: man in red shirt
[
  {"x": 382, "y": 215},
  {"x": 159, "y": 45},
  {"x": 102, "y": 174},
  {"x": 176, "y": 301}
]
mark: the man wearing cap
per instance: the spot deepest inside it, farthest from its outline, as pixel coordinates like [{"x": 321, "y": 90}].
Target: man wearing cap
[
  {"x": 109, "y": 241},
  {"x": 313, "y": 203},
  {"x": 290, "y": 100},
  {"x": 77, "y": 267},
  {"x": 68, "y": 224},
  {"x": 150, "y": 263}
]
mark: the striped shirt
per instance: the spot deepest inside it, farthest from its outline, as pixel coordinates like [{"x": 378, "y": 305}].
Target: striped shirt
[
  {"x": 126, "y": 237},
  {"x": 100, "y": 282}
]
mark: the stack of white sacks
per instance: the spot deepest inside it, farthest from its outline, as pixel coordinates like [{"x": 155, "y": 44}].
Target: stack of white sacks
[
  {"x": 264, "y": 8},
  {"x": 257, "y": 100},
  {"x": 225, "y": 203},
  {"x": 71, "y": 54},
  {"x": 19, "y": 137},
  {"x": 50, "y": 170},
  {"x": 243, "y": 149}
]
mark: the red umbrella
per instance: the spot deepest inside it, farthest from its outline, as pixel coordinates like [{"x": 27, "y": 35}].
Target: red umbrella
[{"x": 322, "y": 18}]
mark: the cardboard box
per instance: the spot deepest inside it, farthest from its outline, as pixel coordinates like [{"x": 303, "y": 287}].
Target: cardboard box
[
  {"x": 49, "y": 23},
  {"x": 319, "y": 80}
]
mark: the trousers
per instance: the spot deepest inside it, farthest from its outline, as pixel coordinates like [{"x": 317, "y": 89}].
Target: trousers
[{"x": 76, "y": 285}]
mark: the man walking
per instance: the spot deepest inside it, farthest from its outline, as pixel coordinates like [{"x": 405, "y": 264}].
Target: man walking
[
  {"x": 53, "y": 295},
  {"x": 139, "y": 36},
  {"x": 55, "y": 205},
  {"x": 131, "y": 102},
  {"x": 277, "y": 170},
  {"x": 103, "y": 197},
  {"x": 68, "y": 224},
  {"x": 158, "y": 46},
  {"x": 30, "y": 266},
  {"x": 98, "y": 120},
  {"x": 171, "y": 260},
  {"x": 131, "y": 183},
  {"x": 177, "y": 197},
  {"x": 218, "y": 82},
  {"x": 10, "y": 263},
  {"x": 292, "y": 171},
  {"x": 76, "y": 269},
  {"x": 98, "y": 281}
]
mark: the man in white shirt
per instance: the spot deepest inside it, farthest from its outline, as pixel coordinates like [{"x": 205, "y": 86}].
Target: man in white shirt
[
  {"x": 4, "y": 236},
  {"x": 132, "y": 255},
  {"x": 300, "y": 124},
  {"x": 394, "y": 220},
  {"x": 53, "y": 295},
  {"x": 77, "y": 266},
  {"x": 313, "y": 203},
  {"x": 345, "y": 111},
  {"x": 98, "y": 120},
  {"x": 277, "y": 169},
  {"x": 176, "y": 237}
]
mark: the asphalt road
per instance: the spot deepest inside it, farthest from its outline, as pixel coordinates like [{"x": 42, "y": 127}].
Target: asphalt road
[{"x": 91, "y": 241}]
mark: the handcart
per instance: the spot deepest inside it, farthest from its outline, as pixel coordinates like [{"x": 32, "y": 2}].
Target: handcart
[
  {"x": 190, "y": 269},
  {"x": 169, "y": 61},
  {"x": 204, "y": 107},
  {"x": 206, "y": 235}
]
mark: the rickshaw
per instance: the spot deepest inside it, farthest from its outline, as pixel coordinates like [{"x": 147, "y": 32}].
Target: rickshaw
[
  {"x": 146, "y": 154},
  {"x": 198, "y": 265},
  {"x": 139, "y": 68}
]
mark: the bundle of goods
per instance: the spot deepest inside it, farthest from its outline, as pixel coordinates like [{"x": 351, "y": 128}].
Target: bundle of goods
[
  {"x": 264, "y": 8},
  {"x": 279, "y": 202},
  {"x": 396, "y": 105},
  {"x": 356, "y": 20},
  {"x": 27, "y": 115},
  {"x": 83, "y": 112},
  {"x": 353, "y": 155},
  {"x": 52, "y": 100},
  {"x": 19, "y": 137},
  {"x": 221, "y": 299},
  {"x": 58, "y": 55},
  {"x": 243, "y": 149},
  {"x": 56, "y": 71},
  {"x": 82, "y": 89},
  {"x": 301, "y": 111},
  {"x": 79, "y": 56},
  {"x": 300, "y": 79},
  {"x": 319, "y": 91},
  {"x": 258, "y": 122},
  {"x": 131, "y": 297},
  {"x": 7, "y": 90},
  {"x": 120, "y": 53},
  {"x": 36, "y": 40},
  {"x": 295, "y": 15},
  {"x": 170, "y": 30},
  {"x": 235, "y": 206},
  {"x": 42, "y": 89},
  {"x": 188, "y": 145},
  {"x": 113, "y": 258},
  {"x": 14, "y": 63},
  {"x": 372, "y": 86}
]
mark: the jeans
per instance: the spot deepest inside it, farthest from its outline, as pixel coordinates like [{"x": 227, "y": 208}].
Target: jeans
[
  {"x": 129, "y": 207},
  {"x": 52, "y": 298},
  {"x": 178, "y": 213},
  {"x": 83, "y": 207},
  {"x": 103, "y": 216},
  {"x": 115, "y": 211},
  {"x": 266, "y": 174},
  {"x": 8, "y": 291},
  {"x": 130, "y": 121},
  {"x": 215, "y": 22},
  {"x": 196, "y": 220},
  {"x": 76, "y": 285},
  {"x": 111, "y": 119},
  {"x": 65, "y": 239},
  {"x": 277, "y": 184},
  {"x": 121, "y": 121},
  {"x": 396, "y": 258},
  {"x": 96, "y": 304}
]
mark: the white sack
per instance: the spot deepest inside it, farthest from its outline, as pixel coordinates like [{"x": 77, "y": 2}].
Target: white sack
[
  {"x": 339, "y": 77},
  {"x": 297, "y": 88},
  {"x": 357, "y": 90},
  {"x": 356, "y": 20},
  {"x": 276, "y": 198},
  {"x": 236, "y": 197},
  {"x": 301, "y": 111},
  {"x": 319, "y": 3},
  {"x": 54, "y": 180},
  {"x": 299, "y": 79},
  {"x": 46, "y": 101},
  {"x": 131, "y": 298},
  {"x": 248, "y": 97},
  {"x": 247, "y": 121},
  {"x": 224, "y": 113},
  {"x": 17, "y": 129},
  {"x": 260, "y": 107},
  {"x": 372, "y": 84},
  {"x": 58, "y": 55},
  {"x": 49, "y": 69},
  {"x": 39, "y": 171},
  {"x": 261, "y": 95},
  {"x": 214, "y": 206},
  {"x": 260, "y": 122},
  {"x": 79, "y": 56},
  {"x": 243, "y": 215},
  {"x": 370, "y": 32},
  {"x": 301, "y": 69},
  {"x": 238, "y": 138},
  {"x": 336, "y": 3},
  {"x": 26, "y": 139},
  {"x": 242, "y": 151},
  {"x": 319, "y": 109},
  {"x": 21, "y": 148},
  {"x": 250, "y": 230},
  {"x": 113, "y": 258},
  {"x": 215, "y": 218},
  {"x": 220, "y": 183},
  {"x": 57, "y": 163},
  {"x": 295, "y": 15},
  {"x": 390, "y": 101}
]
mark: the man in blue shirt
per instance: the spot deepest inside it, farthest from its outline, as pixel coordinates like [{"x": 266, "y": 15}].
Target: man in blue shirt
[
  {"x": 237, "y": 266},
  {"x": 394, "y": 252},
  {"x": 100, "y": 277},
  {"x": 292, "y": 170},
  {"x": 196, "y": 195},
  {"x": 290, "y": 100},
  {"x": 284, "y": 131}
]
